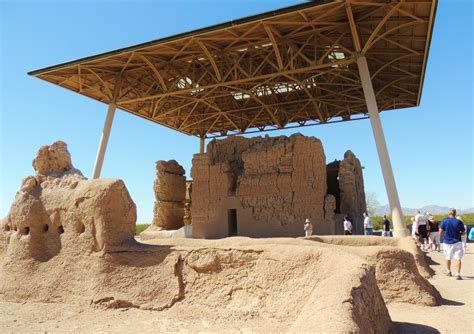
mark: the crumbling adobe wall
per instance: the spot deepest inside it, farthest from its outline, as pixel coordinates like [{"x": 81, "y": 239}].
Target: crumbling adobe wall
[
  {"x": 212, "y": 184},
  {"x": 187, "y": 203},
  {"x": 71, "y": 240},
  {"x": 273, "y": 183},
  {"x": 170, "y": 192},
  {"x": 59, "y": 208},
  {"x": 351, "y": 183},
  {"x": 284, "y": 182}
]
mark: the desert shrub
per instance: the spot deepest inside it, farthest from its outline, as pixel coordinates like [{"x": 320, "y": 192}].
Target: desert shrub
[{"x": 140, "y": 228}]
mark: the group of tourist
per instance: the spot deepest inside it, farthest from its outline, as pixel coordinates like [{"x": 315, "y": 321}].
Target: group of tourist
[
  {"x": 427, "y": 232},
  {"x": 368, "y": 226}
]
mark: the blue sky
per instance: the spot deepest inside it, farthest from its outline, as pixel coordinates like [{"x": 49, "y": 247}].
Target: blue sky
[{"x": 431, "y": 147}]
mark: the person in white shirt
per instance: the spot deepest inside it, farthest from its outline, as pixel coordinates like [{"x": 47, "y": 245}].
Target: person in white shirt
[
  {"x": 347, "y": 226},
  {"x": 308, "y": 227},
  {"x": 368, "y": 227},
  {"x": 414, "y": 228},
  {"x": 422, "y": 230}
]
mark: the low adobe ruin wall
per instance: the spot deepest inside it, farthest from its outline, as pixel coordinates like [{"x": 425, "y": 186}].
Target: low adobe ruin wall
[{"x": 73, "y": 239}]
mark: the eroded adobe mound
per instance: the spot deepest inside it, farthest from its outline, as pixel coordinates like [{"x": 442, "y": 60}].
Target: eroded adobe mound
[
  {"x": 67, "y": 239},
  {"x": 400, "y": 268}
]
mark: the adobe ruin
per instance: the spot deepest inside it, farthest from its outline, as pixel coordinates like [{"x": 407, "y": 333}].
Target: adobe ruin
[
  {"x": 267, "y": 187},
  {"x": 172, "y": 201},
  {"x": 74, "y": 240},
  {"x": 170, "y": 194},
  {"x": 346, "y": 183}
]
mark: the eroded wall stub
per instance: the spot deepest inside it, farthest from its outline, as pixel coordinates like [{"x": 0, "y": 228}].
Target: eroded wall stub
[
  {"x": 329, "y": 215},
  {"x": 351, "y": 183},
  {"x": 170, "y": 193},
  {"x": 187, "y": 203},
  {"x": 273, "y": 184}
]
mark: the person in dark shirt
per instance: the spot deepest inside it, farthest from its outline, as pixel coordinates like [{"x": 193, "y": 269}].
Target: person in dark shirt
[
  {"x": 451, "y": 230},
  {"x": 386, "y": 227}
]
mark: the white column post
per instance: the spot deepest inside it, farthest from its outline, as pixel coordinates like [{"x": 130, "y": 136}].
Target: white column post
[
  {"x": 202, "y": 145},
  {"x": 104, "y": 139},
  {"x": 400, "y": 228}
]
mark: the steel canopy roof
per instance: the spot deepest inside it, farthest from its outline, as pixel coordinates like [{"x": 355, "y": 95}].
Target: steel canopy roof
[{"x": 291, "y": 67}]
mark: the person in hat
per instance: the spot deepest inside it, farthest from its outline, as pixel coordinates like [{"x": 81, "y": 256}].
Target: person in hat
[{"x": 308, "y": 227}]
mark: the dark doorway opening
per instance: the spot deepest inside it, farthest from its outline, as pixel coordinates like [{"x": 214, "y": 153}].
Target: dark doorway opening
[
  {"x": 232, "y": 221},
  {"x": 332, "y": 171}
]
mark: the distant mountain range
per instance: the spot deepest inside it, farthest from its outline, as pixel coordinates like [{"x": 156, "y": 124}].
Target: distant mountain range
[{"x": 433, "y": 209}]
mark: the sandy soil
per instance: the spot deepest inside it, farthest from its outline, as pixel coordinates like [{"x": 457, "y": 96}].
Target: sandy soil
[{"x": 453, "y": 316}]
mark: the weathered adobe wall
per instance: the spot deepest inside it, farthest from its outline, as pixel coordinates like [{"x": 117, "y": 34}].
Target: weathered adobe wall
[
  {"x": 170, "y": 193},
  {"x": 273, "y": 183},
  {"x": 73, "y": 239},
  {"x": 58, "y": 209},
  {"x": 211, "y": 187},
  {"x": 346, "y": 183},
  {"x": 351, "y": 183},
  {"x": 187, "y": 204}
]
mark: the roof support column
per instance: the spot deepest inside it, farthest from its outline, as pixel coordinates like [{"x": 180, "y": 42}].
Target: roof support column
[
  {"x": 400, "y": 228},
  {"x": 202, "y": 145},
  {"x": 104, "y": 139}
]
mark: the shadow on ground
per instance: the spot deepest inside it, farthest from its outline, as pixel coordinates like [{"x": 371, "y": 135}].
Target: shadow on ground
[
  {"x": 444, "y": 301},
  {"x": 407, "y": 328},
  {"x": 429, "y": 260}
]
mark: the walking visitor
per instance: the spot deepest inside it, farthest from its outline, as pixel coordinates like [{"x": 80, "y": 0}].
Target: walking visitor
[
  {"x": 464, "y": 236},
  {"x": 414, "y": 233},
  {"x": 451, "y": 229},
  {"x": 422, "y": 230},
  {"x": 368, "y": 227},
  {"x": 433, "y": 235},
  {"x": 385, "y": 227}
]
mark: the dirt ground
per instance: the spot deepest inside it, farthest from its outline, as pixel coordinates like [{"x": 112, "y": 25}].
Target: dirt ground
[{"x": 453, "y": 316}]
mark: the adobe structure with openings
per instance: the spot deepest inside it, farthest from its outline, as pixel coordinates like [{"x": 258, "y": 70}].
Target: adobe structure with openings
[{"x": 268, "y": 186}]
